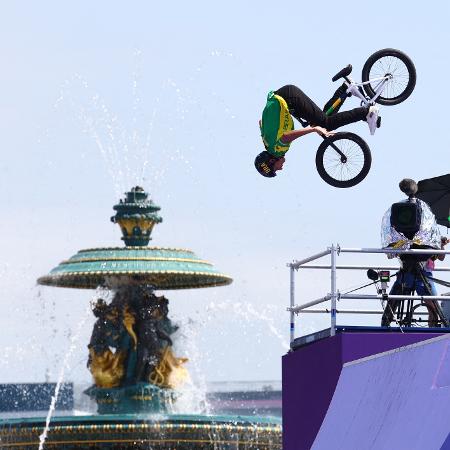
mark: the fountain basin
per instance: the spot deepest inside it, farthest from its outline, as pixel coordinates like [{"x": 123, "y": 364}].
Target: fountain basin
[
  {"x": 144, "y": 432},
  {"x": 163, "y": 268}
]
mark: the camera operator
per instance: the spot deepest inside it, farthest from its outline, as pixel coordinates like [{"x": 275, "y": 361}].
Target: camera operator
[{"x": 410, "y": 224}]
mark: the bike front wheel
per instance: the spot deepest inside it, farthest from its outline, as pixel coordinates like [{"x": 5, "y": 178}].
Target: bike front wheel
[
  {"x": 401, "y": 72},
  {"x": 343, "y": 160}
]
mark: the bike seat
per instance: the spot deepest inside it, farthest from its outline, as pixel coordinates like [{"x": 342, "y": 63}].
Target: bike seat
[{"x": 345, "y": 72}]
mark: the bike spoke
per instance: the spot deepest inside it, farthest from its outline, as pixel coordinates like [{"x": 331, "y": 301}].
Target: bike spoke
[
  {"x": 343, "y": 171},
  {"x": 391, "y": 65}
]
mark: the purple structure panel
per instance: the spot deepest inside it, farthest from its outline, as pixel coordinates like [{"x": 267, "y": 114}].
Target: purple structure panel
[
  {"x": 399, "y": 399},
  {"x": 310, "y": 375}
]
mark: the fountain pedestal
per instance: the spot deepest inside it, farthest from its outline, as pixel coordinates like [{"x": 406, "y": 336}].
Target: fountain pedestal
[{"x": 136, "y": 399}]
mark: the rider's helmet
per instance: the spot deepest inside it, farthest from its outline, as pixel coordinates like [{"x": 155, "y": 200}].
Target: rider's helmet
[{"x": 264, "y": 164}]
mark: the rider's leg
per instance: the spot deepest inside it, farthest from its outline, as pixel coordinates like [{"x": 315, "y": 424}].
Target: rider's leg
[
  {"x": 302, "y": 107},
  {"x": 345, "y": 117},
  {"x": 333, "y": 105}
]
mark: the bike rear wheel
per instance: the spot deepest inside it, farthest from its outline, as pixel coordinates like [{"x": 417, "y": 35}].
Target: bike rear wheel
[
  {"x": 396, "y": 64},
  {"x": 343, "y": 160}
]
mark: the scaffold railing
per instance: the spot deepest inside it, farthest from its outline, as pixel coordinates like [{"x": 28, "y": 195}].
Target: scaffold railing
[{"x": 334, "y": 295}]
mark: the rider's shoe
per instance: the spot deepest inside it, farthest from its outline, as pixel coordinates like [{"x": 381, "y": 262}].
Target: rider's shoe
[{"x": 372, "y": 119}]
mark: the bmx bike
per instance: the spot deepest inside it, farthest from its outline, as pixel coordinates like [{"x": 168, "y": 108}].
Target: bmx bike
[{"x": 388, "y": 78}]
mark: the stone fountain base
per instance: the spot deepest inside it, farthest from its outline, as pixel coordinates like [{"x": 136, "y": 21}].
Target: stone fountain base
[
  {"x": 123, "y": 432},
  {"x": 137, "y": 398}
]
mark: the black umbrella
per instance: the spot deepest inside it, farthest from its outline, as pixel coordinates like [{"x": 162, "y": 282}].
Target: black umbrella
[{"x": 436, "y": 192}]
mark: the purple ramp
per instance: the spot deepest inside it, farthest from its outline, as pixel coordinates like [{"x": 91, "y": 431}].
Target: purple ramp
[
  {"x": 311, "y": 373},
  {"x": 394, "y": 400}
]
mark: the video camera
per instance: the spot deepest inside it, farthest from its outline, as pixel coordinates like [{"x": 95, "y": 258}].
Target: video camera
[
  {"x": 406, "y": 218},
  {"x": 382, "y": 276},
  {"x": 410, "y": 224}
]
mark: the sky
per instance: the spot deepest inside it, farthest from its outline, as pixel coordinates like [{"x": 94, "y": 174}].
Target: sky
[{"x": 96, "y": 97}]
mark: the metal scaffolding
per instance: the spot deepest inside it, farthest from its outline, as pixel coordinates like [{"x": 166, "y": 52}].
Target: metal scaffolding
[{"x": 334, "y": 295}]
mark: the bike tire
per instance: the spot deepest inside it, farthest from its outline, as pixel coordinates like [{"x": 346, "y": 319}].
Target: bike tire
[
  {"x": 358, "y": 155},
  {"x": 393, "y": 60}
]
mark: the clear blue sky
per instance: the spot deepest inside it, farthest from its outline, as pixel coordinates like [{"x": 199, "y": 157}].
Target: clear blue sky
[{"x": 197, "y": 74}]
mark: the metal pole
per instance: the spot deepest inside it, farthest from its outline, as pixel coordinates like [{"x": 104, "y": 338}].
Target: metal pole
[
  {"x": 353, "y": 267},
  {"x": 292, "y": 303},
  {"x": 352, "y": 311},
  {"x": 297, "y": 264},
  {"x": 298, "y": 308},
  {"x": 333, "y": 290},
  {"x": 396, "y": 251},
  {"x": 444, "y": 298}
]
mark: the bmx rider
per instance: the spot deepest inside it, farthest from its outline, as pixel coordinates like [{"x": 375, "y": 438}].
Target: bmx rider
[{"x": 277, "y": 125}]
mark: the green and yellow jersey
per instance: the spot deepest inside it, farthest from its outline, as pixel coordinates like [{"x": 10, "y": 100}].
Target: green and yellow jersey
[{"x": 276, "y": 120}]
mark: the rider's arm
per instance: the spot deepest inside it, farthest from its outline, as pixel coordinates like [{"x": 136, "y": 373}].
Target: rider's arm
[{"x": 290, "y": 136}]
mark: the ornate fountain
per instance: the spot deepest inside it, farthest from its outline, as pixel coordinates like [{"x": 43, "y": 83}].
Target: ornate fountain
[{"x": 134, "y": 368}]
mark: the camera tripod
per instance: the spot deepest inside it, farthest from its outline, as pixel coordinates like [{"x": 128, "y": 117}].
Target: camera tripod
[{"x": 411, "y": 278}]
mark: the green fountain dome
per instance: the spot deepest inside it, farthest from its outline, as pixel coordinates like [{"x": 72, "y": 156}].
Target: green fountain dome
[{"x": 162, "y": 268}]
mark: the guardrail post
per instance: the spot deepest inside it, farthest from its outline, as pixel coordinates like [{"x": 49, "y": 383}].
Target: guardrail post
[
  {"x": 292, "y": 303},
  {"x": 333, "y": 252}
]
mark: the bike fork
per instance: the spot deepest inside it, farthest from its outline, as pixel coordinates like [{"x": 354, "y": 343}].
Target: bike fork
[{"x": 336, "y": 148}]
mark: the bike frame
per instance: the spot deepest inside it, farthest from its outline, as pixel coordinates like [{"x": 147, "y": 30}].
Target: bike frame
[{"x": 355, "y": 89}]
